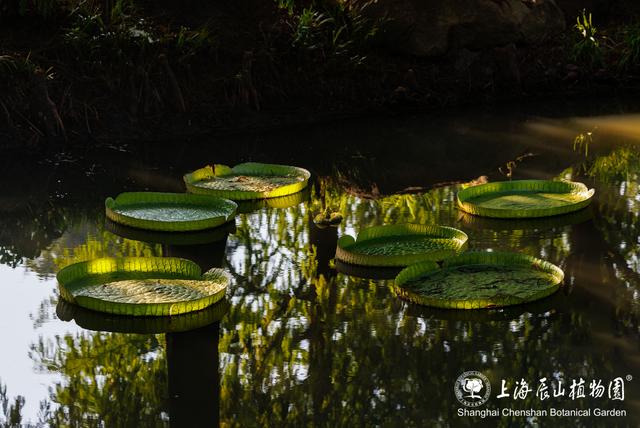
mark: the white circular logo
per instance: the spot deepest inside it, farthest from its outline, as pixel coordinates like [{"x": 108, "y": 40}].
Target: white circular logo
[{"x": 472, "y": 389}]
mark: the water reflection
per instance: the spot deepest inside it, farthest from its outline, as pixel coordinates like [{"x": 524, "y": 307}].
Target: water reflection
[{"x": 305, "y": 342}]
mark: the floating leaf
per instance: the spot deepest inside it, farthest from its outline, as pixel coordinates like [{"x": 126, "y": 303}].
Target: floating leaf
[
  {"x": 479, "y": 280},
  {"x": 247, "y": 181},
  {"x": 152, "y": 286},
  {"x": 400, "y": 245},
  {"x": 524, "y": 198},
  {"x": 169, "y": 212}
]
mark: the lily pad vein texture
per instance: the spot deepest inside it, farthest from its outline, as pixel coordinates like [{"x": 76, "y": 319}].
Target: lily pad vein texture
[
  {"x": 169, "y": 212},
  {"x": 524, "y": 198},
  {"x": 247, "y": 181},
  {"x": 400, "y": 245},
  {"x": 141, "y": 286},
  {"x": 476, "y": 280}
]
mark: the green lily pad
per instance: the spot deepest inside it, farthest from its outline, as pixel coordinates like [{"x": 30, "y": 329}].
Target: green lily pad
[
  {"x": 524, "y": 198},
  {"x": 97, "y": 321},
  {"x": 247, "y": 181},
  {"x": 153, "y": 286},
  {"x": 198, "y": 237},
  {"x": 169, "y": 212},
  {"x": 478, "y": 280},
  {"x": 400, "y": 245}
]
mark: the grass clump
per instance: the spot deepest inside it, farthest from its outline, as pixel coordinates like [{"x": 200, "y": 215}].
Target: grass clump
[
  {"x": 587, "y": 49},
  {"x": 334, "y": 31}
]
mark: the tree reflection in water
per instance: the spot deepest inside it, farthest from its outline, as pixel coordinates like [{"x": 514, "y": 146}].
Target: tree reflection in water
[{"x": 303, "y": 345}]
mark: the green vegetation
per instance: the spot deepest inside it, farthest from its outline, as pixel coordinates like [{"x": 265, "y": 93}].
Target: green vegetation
[
  {"x": 400, "y": 245},
  {"x": 126, "y": 61},
  {"x": 477, "y": 280},
  {"x": 247, "y": 181},
  {"x": 173, "y": 212},
  {"x": 141, "y": 286},
  {"x": 125, "y": 69},
  {"x": 524, "y": 198},
  {"x": 616, "y": 49}
]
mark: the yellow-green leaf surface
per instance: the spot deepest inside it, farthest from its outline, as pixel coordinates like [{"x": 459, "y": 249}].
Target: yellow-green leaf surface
[
  {"x": 247, "y": 181},
  {"x": 479, "y": 280},
  {"x": 524, "y": 198},
  {"x": 152, "y": 286},
  {"x": 400, "y": 245},
  {"x": 171, "y": 212},
  {"x": 97, "y": 321}
]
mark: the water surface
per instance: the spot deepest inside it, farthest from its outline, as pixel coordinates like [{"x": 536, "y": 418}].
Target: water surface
[{"x": 303, "y": 343}]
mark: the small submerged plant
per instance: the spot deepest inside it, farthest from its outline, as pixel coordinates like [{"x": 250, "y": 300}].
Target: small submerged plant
[
  {"x": 524, "y": 198},
  {"x": 150, "y": 286},
  {"x": 582, "y": 142}
]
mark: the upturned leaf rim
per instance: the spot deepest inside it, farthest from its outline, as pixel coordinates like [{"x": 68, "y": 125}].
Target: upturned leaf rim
[
  {"x": 457, "y": 243},
  {"x": 547, "y": 186},
  {"x": 78, "y": 276},
  {"x": 125, "y": 199},
  {"x": 477, "y": 258},
  {"x": 210, "y": 172}
]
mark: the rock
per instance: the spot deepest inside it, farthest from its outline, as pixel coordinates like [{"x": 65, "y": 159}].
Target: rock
[
  {"x": 544, "y": 21},
  {"x": 432, "y": 28}
]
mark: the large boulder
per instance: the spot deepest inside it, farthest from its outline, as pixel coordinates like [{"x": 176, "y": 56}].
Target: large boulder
[{"x": 434, "y": 27}]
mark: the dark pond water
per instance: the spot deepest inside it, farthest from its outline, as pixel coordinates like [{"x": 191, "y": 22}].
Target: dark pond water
[{"x": 302, "y": 342}]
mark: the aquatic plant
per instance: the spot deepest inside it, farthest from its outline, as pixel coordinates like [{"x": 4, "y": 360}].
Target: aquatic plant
[
  {"x": 247, "y": 181},
  {"x": 335, "y": 29},
  {"x": 141, "y": 286},
  {"x": 400, "y": 245},
  {"x": 524, "y": 198},
  {"x": 175, "y": 212},
  {"x": 620, "y": 164},
  {"x": 477, "y": 280}
]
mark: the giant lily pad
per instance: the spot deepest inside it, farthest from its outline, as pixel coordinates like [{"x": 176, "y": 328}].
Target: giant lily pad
[
  {"x": 169, "y": 212},
  {"x": 477, "y": 280},
  {"x": 153, "y": 286},
  {"x": 400, "y": 245},
  {"x": 524, "y": 198},
  {"x": 247, "y": 181},
  {"x": 97, "y": 321}
]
